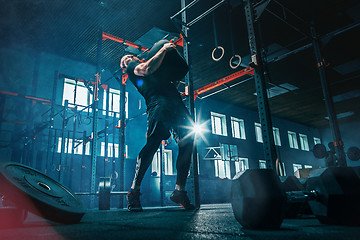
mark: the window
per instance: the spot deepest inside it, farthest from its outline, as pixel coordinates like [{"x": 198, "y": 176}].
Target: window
[
  {"x": 258, "y": 133},
  {"x": 155, "y": 167},
  {"x": 77, "y": 93},
  {"x": 317, "y": 141},
  {"x": 222, "y": 169},
  {"x": 114, "y": 102},
  {"x": 78, "y": 146},
  {"x": 304, "y": 142},
  {"x": 297, "y": 167},
  {"x": 282, "y": 170},
  {"x": 262, "y": 164},
  {"x": 276, "y": 133},
  {"x": 228, "y": 152},
  {"x": 238, "y": 128},
  {"x": 308, "y": 166},
  {"x": 112, "y": 148},
  {"x": 218, "y": 124},
  {"x": 241, "y": 165},
  {"x": 292, "y": 140},
  {"x": 259, "y": 138}
]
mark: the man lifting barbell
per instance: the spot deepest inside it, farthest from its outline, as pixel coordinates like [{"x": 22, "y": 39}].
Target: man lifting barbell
[{"x": 155, "y": 79}]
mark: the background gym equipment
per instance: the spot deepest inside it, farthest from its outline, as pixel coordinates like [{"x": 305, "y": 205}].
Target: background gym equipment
[
  {"x": 259, "y": 200},
  {"x": 353, "y": 153},
  {"x": 319, "y": 151},
  {"x": 294, "y": 209},
  {"x": 29, "y": 189},
  {"x": 338, "y": 190},
  {"x": 104, "y": 193}
]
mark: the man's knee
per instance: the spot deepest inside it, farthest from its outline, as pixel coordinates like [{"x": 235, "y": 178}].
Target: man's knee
[{"x": 186, "y": 143}]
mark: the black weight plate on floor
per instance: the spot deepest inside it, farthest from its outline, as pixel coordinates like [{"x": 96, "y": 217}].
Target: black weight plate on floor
[{"x": 31, "y": 190}]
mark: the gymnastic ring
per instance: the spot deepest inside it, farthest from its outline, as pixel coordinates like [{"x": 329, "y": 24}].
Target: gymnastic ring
[
  {"x": 213, "y": 53},
  {"x": 237, "y": 65}
]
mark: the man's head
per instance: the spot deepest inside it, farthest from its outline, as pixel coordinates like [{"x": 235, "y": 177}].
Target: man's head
[{"x": 125, "y": 60}]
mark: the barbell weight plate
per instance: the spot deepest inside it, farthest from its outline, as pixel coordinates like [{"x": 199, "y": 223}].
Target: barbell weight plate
[
  {"x": 319, "y": 151},
  {"x": 353, "y": 153},
  {"x": 31, "y": 190},
  {"x": 104, "y": 193}
]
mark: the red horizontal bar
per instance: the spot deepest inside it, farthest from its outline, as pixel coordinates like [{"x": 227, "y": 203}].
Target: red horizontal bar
[
  {"x": 28, "y": 97},
  {"x": 126, "y": 42},
  {"x": 9, "y": 93},
  {"x": 16, "y": 122},
  {"x": 224, "y": 80},
  {"x": 112, "y": 37},
  {"x": 39, "y": 99}
]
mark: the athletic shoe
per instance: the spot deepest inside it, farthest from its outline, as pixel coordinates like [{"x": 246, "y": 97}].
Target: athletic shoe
[
  {"x": 181, "y": 198},
  {"x": 133, "y": 199}
]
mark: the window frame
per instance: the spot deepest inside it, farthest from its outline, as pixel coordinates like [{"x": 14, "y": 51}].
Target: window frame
[
  {"x": 317, "y": 140},
  {"x": 304, "y": 144},
  {"x": 258, "y": 133},
  {"x": 222, "y": 118},
  {"x": 240, "y": 129},
  {"x": 155, "y": 165},
  {"x": 293, "y": 143},
  {"x": 262, "y": 163},
  {"x": 76, "y": 102},
  {"x": 112, "y": 92},
  {"x": 277, "y": 139},
  {"x": 297, "y": 166},
  {"x": 241, "y": 164}
]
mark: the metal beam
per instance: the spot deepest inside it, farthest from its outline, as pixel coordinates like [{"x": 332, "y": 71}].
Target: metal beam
[
  {"x": 122, "y": 143},
  {"x": 193, "y": 188},
  {"x": 260, "y": 85},
  {"x": 334, "y": 127},
  {"x": 94, "y": 142},
  {"x": 224, "y": 80}
]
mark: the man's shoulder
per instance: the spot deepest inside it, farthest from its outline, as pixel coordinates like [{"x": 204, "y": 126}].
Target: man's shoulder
[{"x": 132, "y": 65}]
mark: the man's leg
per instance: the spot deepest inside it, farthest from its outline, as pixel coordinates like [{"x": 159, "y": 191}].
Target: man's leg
[
  {"x": 183, "y": 162},
  {"x": 144, "y": 160},
  {"x": 185, "y": 141}
]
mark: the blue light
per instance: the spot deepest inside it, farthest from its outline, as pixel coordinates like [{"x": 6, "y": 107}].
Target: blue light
[{"x": 139, "y": 82}]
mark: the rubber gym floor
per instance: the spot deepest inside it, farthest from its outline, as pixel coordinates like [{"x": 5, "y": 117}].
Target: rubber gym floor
[{"x": 211, "y": 221}]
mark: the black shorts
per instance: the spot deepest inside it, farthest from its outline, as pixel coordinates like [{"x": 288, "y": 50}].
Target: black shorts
[{"x": 166, "y": 116}]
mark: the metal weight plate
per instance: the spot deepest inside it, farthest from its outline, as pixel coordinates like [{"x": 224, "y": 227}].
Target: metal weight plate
[
  {"x": 104, "y": 193},
  {"x": 319, "y": 151},
  {"x": 31, "y": 190},
  {"x": 353, "y": 153}
]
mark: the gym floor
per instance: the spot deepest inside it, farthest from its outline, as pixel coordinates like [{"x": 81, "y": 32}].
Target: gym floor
[{"x": 212, "y": 221}]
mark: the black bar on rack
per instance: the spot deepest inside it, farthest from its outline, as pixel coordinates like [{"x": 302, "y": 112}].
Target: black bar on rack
[
  {"x": 205, "y": 13},
  {"x": 334, "y": 127},
  {"x": 262, "y": 99},
  {"x": 94, "y": 145},
  {"x": 186, "y": 7},
  {"x": 193, "y": 188},
  {"x": 122, "y": 144}
]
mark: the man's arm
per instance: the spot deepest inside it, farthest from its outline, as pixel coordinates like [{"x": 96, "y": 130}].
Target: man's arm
[{"x": 151, "y": 65}]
